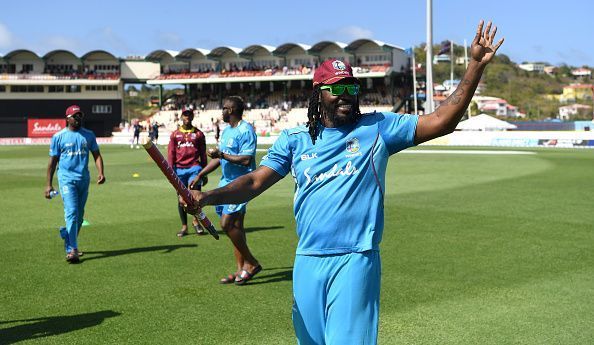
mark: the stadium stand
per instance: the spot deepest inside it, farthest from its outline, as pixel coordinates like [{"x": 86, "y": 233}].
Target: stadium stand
[{"x": 274, "y": 81}]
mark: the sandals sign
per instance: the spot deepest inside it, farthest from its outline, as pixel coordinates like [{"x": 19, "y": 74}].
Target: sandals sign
[{"x": 44, "y": 128}]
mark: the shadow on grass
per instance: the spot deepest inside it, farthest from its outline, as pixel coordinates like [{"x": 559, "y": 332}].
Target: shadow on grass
[
  {"x": 109, "y": 253},
  {"x": 266, "y": 278},
  {"x": 261, "y": 228},
  {"x": 52, "y": 325}
]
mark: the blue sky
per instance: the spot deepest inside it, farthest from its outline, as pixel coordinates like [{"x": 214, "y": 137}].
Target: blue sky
[{"x": 534, "y": 30}]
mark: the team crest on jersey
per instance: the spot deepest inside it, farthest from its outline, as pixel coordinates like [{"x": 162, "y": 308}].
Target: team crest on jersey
[
  {"x": 352, "y": 145},
  {"x": 230, "y": 142},
  {"x": 338, "y": 65},
  {"x": 353, "y": 148}
]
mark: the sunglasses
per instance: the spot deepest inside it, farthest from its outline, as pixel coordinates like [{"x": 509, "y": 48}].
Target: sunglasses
[{"x": 338, "y": 89}]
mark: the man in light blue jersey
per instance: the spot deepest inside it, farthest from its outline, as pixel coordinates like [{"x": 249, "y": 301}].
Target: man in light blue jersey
[
  {"x": 338, "y": 161},
  {"x": 69, "y": 151},
  {"x": 236, "y": 155}
]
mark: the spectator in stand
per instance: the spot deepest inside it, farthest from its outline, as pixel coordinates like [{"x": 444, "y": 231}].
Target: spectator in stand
[{"x": 186, "y": 153}]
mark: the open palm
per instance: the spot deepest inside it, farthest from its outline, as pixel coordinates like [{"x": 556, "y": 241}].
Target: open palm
[{"x": 482, "y": 49}]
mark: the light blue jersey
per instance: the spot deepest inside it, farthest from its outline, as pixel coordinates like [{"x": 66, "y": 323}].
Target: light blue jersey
[
  {"x": 341, "y": 180},
  {"x": 72, "y": 148},
  {"x": 239, "y": 140}
]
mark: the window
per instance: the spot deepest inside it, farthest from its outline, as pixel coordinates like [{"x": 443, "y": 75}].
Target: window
[
  {"x": 200, "y": 67},
  {"x": 26, "y": 88},
  {"x": 299, "y": 62},
  {"x": 101, "y": 88},
  {"x": 60, "y": 69},
  {"x": 377, "y": 58},
  {"x": 27, "y": 67},
  {"x": 106, "y": 68},
  {"x": 56, "y": 88},
  {"x": 101, "y": 109},
  {"x": 73, "y": 88},
  {"x": 2, "y": 88}
]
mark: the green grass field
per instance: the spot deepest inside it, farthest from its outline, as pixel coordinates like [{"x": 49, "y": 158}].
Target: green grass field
[{"x": 477, "y": 249}]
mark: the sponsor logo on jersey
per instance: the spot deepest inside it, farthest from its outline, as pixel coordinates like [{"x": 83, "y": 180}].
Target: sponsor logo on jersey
[
  {"x": 309, "y": 156},
  {"x": 348, "y": 170},
  {"x": 75, "y": 153},
  {"x": 186, "y": 144}
]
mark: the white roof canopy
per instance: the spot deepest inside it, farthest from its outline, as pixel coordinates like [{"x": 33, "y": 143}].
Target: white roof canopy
[{"x": 484, "y": 122}]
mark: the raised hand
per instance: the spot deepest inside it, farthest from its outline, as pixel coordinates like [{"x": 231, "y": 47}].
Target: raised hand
[{"x": 482, "y": 49}]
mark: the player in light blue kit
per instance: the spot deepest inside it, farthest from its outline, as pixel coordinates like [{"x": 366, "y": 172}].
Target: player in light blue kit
[
  {"x": 236, "y": 155},
  {"x": 69, "y": 151},
  {"x": 338, "y": 161}
]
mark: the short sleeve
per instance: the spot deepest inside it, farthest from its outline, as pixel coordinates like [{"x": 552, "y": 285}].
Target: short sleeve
[
  {"x": 398, "y": 131},
  {"x": 248, "y": 143},
  {"x": 93, "y": 147},
  {"x": 54, "y": 150},
  {"x": 280, "y": 156}
]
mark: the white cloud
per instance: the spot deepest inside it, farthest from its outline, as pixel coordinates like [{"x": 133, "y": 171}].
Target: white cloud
[
  {"x": 351, "y": 33},
  {"x": 169, "y": 40},
  {"x": 112, "y": 41},
  {"x": 575, "y": 57},
  {"x": 344, "y": 34},
  {"x": 6, "y": 38},
  {"x": 61, "y": 42}
]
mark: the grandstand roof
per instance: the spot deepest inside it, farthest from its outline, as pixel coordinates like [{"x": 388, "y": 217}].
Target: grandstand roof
[
  {"x": 58, "y": 51},
  {"x": 251, "y": 50},
  {"x": 285, "y": 48},
  {"x": 318, "y": 47},
  {"x": 97, "y": 52},
  {"x": 19, "y": 51},
  {"x": 188, "y": 53},
  {"x": 219, "y": 52},
  {"x": 360, "y": 42},
  {"x": 160, "y": 53}
]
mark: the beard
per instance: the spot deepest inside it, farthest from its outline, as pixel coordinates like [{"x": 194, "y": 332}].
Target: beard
[
  {"x": 77, "y": 123},
  {"x": 330, "y": 113},
  {"x": 226, "y": 118}
]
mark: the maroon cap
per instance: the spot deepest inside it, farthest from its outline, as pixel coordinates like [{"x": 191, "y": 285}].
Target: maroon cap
[
  {"x": 187, "y": 110},
  {"x": 73, "y": 109},
  {"x": 331, "y": 71}
]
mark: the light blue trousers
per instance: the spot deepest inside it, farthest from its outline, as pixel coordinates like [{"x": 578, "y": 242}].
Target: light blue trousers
[
  {"x": 74, "y": 195},
  {"x": 336, "y": 298}
]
